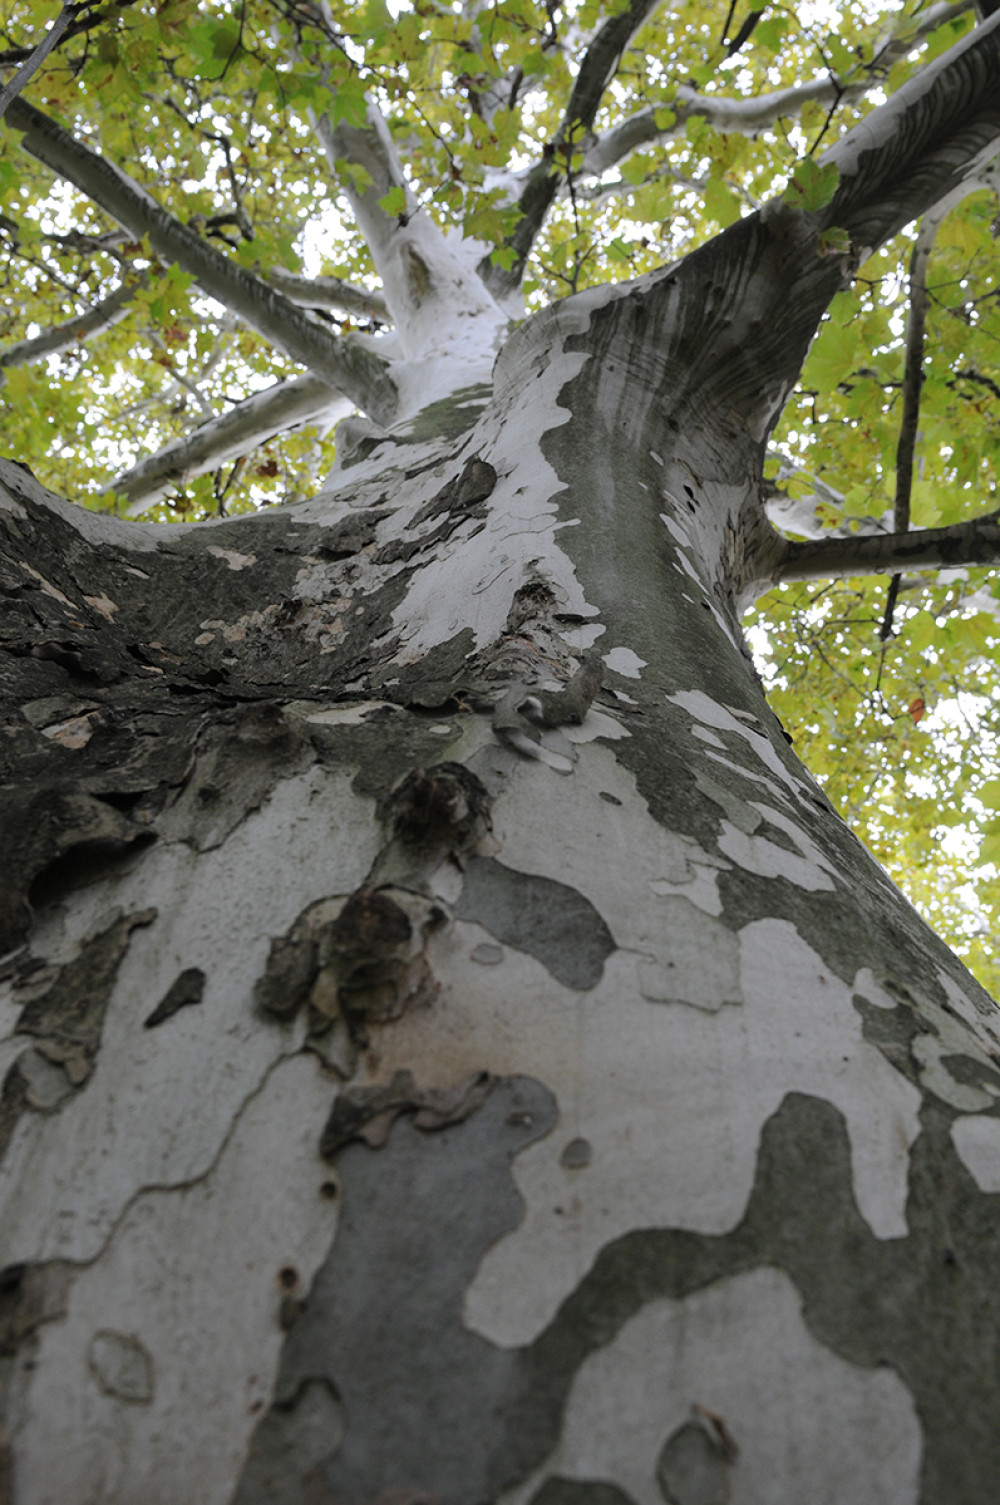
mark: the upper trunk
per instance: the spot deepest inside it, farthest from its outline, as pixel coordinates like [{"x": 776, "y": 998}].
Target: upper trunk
[
  {"x": 450, "y": 796},
  {"x": 748, "y": 1235}
]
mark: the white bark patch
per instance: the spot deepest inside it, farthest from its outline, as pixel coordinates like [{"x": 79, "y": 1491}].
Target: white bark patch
[
  {"x": 48, "y": 587},
  {"x": 807, "y": 868},
  {"x": 710, "y": 713},
  {"x": 982, "y": 1017},
  {"x": 146, "y": 1313},
  {"x": 475, "y": 586},
  {"x": 162, "y": 1101},
  {"x": 977, "y": 1141},
  {"x": 239, "y": 630},
  {"x": 672, "y": 1099},
  {"x": 625, "y": 661},
  {"x": 595, "y": 724},
  {"x": 233, "y": 560},
  {"x": 350, "y": 715},
  {"x": 808, "y": 1425},
  {"x": 966, "y": 1038}
]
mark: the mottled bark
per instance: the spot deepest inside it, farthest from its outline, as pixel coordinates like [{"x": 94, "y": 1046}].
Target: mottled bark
[
  {"x": 451, "y": 1050},
  {"x": 482, "y": 1091}
]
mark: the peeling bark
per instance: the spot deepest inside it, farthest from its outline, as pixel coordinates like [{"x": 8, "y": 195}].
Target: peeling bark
[{"x": 391, "y": 1111}]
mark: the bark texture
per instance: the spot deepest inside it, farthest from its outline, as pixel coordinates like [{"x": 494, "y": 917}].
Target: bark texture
[
  {"x": 432, "y": 1072},
  {"x": 450, "y": 1049}
]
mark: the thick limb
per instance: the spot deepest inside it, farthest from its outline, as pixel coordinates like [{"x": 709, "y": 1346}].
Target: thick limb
[
  {"x": 345, "y": 366},
  {"x": 287, "y": 405}
]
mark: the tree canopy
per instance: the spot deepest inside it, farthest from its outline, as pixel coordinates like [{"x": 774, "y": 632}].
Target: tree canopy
[{"x": 193, "y": 299}]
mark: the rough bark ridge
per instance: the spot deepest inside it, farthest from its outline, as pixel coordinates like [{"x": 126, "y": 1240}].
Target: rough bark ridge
[{"x": 451, "y": 1049}]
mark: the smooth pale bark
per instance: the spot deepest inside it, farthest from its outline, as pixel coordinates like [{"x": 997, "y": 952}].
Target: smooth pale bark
[
  {"x": 70, "y": 334},
  {"x": 630, "y": 1095},
  {"x": 286, "y": 405},
  {"x": 451, "y": 1048},
  {"x": 347, "y": 366}
]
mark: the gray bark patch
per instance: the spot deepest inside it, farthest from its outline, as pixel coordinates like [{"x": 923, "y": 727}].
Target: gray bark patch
[
  {"x": 121, "y": 1366},
  {"x": 66, "y": 1022},
  {"x": 422, "y": 1397},
  {"x": 577, "y": 1154},
  {"x": 551, "y": 921},
  {"x": 559, "y": 1491},
  {"x": 291, "y": 1443},
  {"x": 238, "y": 762},
  {"x": 186, "y": 989},
  {"x": 692, "y": 1469}
]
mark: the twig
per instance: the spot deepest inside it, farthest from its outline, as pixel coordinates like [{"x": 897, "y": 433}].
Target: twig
[
  {"x": 913, "y": 380},
  {"x": 32, "y": 64}
]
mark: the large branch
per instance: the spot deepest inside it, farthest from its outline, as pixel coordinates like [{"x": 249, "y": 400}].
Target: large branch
[
  {"x": 599, "y": 66},
  {"x": 924, "y": 145},
  {"x": 747, "y": 117},
  {"x": 436, "y": 298},
  {"x": 346, "y": 366},
  {"x": 739, "y": 117},
  {"x": 70, "y": 335},
  {"x": 288, "y": 405},
  {"x": 735, "y": 357},
  {"x": 744, "y": 117},
  {"x": 977, "y": 542}
]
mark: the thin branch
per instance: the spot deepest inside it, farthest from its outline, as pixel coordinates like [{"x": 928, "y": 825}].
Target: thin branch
[
  {"x": 744, "y": 117},
  {"x": 329, "y": 292},
  {"x": 32, "y": 64},
  {"x": 287, "y": 405},
  {"x": 71, "y": 334},
  {"x": 598, "y": 68},
  {"x": 913, "y": 380},
  {"x": 81, "y": 24},
  {"x": 346, "y": 366}
]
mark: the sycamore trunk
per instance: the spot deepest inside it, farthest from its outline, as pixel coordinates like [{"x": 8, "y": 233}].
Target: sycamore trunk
[{"x": 452, "y": 1051}]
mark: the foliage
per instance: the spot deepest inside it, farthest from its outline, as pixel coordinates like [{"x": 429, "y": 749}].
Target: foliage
[{"x": 212, "y": 108}]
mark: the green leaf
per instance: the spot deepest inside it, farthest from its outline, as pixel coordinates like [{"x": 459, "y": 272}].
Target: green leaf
[
  {"x": 834, "y": 242},
  {"x": 721, "y": 203},
  {"x": 812, "y": 186},
  {"x": 349, "y": 103},
  {"x": 394, "y": 202}
]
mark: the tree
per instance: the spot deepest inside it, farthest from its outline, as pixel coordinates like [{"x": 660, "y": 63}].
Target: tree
[{"x": 454, "y": 1049}]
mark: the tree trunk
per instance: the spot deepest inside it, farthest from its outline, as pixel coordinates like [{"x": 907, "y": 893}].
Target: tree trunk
[
  {"x": 459, "y": 1054},
  {"x": 451, "y": 1050}
]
